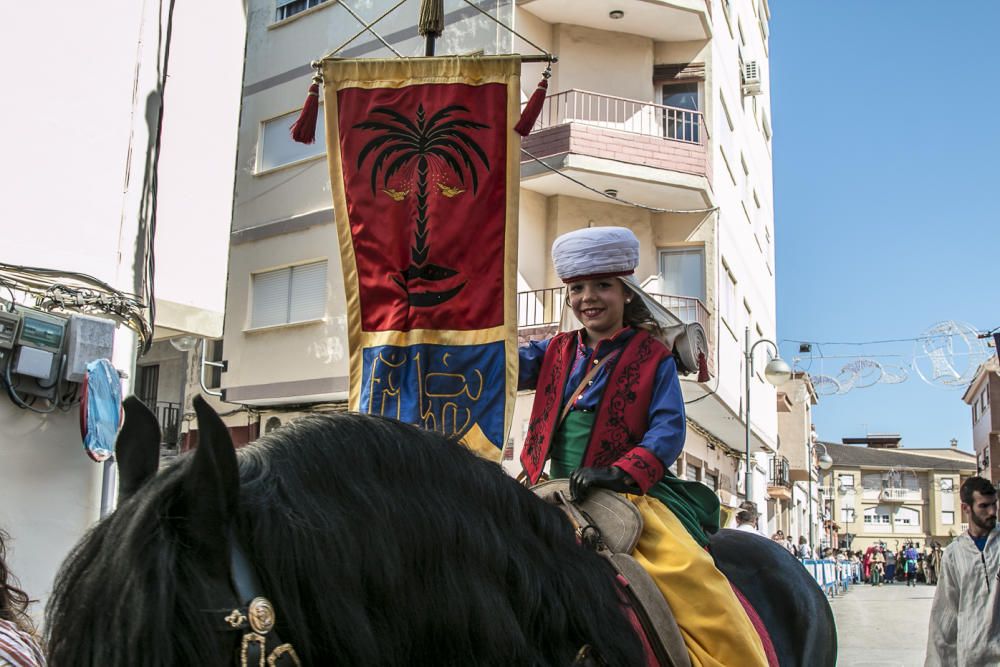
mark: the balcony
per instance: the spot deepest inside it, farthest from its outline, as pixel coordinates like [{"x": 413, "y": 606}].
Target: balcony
[
  {"x": 539, "y": 311},
  {"x": 661, "y": 20},
  {"x": 169, "y": 416},
  {"x": 779, "y": 480},
  {"x": 646, "y": 152},
  {"x": 898, "y": 495}
]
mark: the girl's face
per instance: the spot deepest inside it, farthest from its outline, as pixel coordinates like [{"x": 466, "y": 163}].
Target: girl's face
[{"x": 599, "y": 305}]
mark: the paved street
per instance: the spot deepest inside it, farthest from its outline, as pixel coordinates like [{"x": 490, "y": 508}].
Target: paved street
[{"x": 883, "y": 627}]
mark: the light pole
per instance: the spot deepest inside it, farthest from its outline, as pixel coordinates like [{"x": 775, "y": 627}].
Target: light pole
[
  {"x": 825, "y": 462},
  {"x": 777, "y": 372}
]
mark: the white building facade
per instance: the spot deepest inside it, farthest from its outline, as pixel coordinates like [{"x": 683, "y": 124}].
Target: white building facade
[
  {"x": 75, "y": 182},
  {"x": 661, "y": 103}
]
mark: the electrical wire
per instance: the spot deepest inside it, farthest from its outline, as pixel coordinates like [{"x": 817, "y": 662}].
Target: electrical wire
[
  {"x": 69, "y": 291},
  {"x": 876, "y": 342}
]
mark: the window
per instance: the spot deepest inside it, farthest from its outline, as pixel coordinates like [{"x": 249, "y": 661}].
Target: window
[
  {"x": 907, "y": 516},
  {"x": 747, "y": 187},
  {"x": 877, "y": 515},
  {"x": 947, "y": 484},
  {"x": 948, "y": 518},
  {"x": 725, "y": 111},
  {"x": 847, "y": 515},
  {"x": 711, "y": 481},
  {"x": 682, "y": 272},
  {"x": 682, "y": 118},
  {"x": 295, "y": 294},
  {"x": 288, "y": 8},
  {"x": 845, "y": 481},
  {"x": 727, "y": 302},
  {"x": 277, "y": 148},
  {"x": 765, "y": 125},
  {"x": 147, "y": 383},
  {"x": 725, "y": 161},
  {"x": 692, "y": 473}
]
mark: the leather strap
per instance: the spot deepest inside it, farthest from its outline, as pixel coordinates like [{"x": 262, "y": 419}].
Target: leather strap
[
  {"x": 522, "y": 476},
  {"x": 580, "y": 387}
]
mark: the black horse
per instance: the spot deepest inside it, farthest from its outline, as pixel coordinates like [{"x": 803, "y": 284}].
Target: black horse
[{"x": 378, "y": 544}]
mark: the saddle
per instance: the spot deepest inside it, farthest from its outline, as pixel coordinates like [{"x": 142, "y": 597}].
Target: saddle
[{"x": 610, "y": 525}]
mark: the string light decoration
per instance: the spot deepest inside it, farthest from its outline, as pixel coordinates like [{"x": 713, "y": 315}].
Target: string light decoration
[{"x": 946, "y": 355}]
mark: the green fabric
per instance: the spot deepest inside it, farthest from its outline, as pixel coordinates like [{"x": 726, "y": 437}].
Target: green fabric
[{"x": 694, "y": 504}]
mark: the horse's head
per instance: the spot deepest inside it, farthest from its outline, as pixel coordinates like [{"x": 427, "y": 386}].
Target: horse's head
[
  {"x": 163, "y": 579},
  {"x": 378, "y": 542}
]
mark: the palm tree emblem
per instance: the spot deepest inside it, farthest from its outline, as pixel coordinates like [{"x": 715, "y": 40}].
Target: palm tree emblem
[{"x": 404, "y": 146}]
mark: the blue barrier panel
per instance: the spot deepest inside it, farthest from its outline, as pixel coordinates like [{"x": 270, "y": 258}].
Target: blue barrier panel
[{"x": 824, "y": 572}]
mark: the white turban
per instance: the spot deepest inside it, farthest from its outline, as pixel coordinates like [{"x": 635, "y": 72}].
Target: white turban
[
  {"x": 595, "y": 252},
  {"x": 605, "y": 252}
]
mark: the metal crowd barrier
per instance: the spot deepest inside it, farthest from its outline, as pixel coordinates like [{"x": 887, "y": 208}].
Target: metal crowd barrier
[{"x": 831, "y": 576}]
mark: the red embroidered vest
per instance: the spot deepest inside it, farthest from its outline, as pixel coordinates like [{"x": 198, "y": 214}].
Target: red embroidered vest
[{"x": 623, "y": 412}]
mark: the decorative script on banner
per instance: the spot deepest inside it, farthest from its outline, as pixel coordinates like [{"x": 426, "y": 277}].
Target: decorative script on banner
[{"x": 424, "y": 172}]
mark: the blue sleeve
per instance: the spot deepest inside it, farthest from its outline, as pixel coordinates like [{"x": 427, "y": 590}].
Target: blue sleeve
[
  {"x": 667, "y": 423},
  {"x": 529, "y": 359}
]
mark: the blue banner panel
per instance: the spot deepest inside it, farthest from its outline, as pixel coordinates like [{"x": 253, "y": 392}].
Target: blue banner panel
[{"x": 451, "y": 389}]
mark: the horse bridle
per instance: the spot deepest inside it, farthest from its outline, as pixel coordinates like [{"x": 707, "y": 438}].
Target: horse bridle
[{"x": 254, "y": 615}]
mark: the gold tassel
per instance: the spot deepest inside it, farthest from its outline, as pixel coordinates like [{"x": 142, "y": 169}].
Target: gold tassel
[{"x": 431, "y": 21}]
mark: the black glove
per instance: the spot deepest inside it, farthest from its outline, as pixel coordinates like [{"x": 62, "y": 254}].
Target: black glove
[{"x": 612, "y": 478}]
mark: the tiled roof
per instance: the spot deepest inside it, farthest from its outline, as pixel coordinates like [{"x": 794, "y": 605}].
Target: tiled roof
[{"x": 853, "y": 455}]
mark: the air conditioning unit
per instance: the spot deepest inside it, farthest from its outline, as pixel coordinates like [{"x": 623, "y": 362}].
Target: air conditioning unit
[{"x": 751, "y": 78}]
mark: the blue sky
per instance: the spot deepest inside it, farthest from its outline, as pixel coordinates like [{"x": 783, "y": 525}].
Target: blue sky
[{"x": 886, "y": 143}]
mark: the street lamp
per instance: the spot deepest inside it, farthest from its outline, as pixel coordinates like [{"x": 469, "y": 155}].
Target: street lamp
[
  {"x": 825, "y": 462},
  {"x": 777, "y": 372}
]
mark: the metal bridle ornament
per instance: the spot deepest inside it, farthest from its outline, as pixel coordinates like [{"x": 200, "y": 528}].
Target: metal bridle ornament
[{"x": 256, "y": 619}]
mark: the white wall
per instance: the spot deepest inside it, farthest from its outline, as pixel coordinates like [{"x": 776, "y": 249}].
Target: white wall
[
  {"x": 742, "y": 224},
  {"x": 67, "y": 118}
]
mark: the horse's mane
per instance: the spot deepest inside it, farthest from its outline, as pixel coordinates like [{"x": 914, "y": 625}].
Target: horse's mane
[{"x": 377, "y": 542}]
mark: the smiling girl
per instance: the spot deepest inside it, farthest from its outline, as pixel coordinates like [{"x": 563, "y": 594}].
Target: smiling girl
[{"x": 608, "y": 412}]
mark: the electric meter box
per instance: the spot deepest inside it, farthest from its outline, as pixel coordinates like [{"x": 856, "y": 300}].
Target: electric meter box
[
  {"x": 88, "y": 339},
  {"x": 41, "y": 330},
  {"x": 9, "y": 323}
]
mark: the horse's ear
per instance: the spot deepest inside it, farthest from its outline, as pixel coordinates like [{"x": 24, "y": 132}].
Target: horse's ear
[
  {"x": 137, "y": 448},
  {"x": 211, "y": 487}
]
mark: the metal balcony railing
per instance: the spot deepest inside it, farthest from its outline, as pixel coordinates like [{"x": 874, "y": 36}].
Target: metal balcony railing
[
  {"x": 898, "y": 495},
  {"x": 687, "y": 308},
  {"x": 623, "y": 114},
  {"x": 779, "y": 473},
  {"x": 542, "y": 307},
  {"x": 169, "y": 416}
]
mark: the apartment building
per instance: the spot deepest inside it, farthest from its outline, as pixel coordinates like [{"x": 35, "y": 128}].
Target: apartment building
[
  {"x": 661, "y": 103},
  {"x": 983, "y": 398},
  {"x": 877, "y": 492},
  {"x": 793, "y": 503}
]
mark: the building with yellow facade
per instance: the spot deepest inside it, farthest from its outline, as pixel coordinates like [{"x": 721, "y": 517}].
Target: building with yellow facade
[{"x": 877, "y": 492}]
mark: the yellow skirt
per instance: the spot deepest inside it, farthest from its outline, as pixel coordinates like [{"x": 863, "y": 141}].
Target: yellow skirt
[{"x": 714, "y": 624}]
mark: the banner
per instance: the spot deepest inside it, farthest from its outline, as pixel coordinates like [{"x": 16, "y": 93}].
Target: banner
[{"x": 424, "y": 169}]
